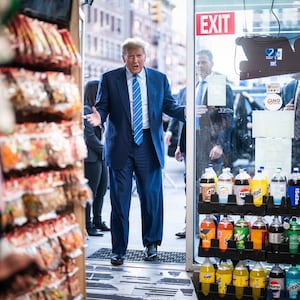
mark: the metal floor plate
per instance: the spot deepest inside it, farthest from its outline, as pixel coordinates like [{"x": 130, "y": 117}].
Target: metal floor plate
[{"x": 137, "y": 281}]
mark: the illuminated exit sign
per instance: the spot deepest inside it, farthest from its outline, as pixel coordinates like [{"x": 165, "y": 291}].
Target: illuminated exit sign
[{"x": 215, "y": 23}]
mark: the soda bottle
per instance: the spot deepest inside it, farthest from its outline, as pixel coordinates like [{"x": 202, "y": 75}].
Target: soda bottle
[
  {"x": 275, "y": 234},
  {"x": 223, "y": 277},
  {"x": 224, "y": 232},
  {"x": 264, "y": 174},
  {"x": 213, "y": 172},
  {"x": 241, "y": 187},
  {"x": 207, "y": 231},
  {"x": 258, "y": 234},
  {"x": 293, "y": 282},
  {"x": 258, "y": 188},
  {"x": 207, "y": 185},
  {"x": 241, "y": 232},
  {"x": 276, "y": 284},
  {"x": 293, "y": 187},
  {"x": 257, "y": 280},
  {"x": 293, "y": 235},
  {"x": 240, "y": 279},
  {"x": 206, "y": 276},
  {"x": 224, "y": 185},
  {"x": 278, "y": 187}
]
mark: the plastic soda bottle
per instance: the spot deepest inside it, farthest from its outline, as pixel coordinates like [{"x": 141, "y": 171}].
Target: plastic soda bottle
[
  {"x": 241, "y": 187},
  {"x": 240, "y": 279},
  {"x": 223, "y": 277},
  {"x": 258, "y": 234},
  {"x": 278, "y": 187},
  {"x": 275, "y": 234},
  {"x": 276, "y": 285},
  {"x": 206, "y": 276},
  {"x": 213, "y": 172},
  {"x": 241, "y": 232},
  {"x": 293, "y": 235},
  {"x": 293, "y": 282},
  {"x": 293, "y": 187},
  {"x": 257, "y": 280},
  {"x": 224, "y": 185},
  {"x": 259, "y": 188},
  {"x": 207, "y": 231},
  {"x": 207, "y": 185},
  {"x": 224, "y": 232}
]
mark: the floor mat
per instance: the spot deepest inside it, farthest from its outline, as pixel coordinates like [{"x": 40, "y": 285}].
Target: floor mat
[{"x": 138, "y": 255}]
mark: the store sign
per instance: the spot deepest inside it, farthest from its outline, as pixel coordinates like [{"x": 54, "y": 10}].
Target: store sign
[{"x": 215, "y": 23}]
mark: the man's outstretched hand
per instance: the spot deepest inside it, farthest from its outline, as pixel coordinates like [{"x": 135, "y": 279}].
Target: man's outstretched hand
[{"x": 94, "y": 118}]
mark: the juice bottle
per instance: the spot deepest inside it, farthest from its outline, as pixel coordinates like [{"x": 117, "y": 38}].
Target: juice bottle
[
  {"x": 257, "y": 280},
  {"x": 223, "y": 277},
  {"x": 206, "y": 276},
  {"x": 240, "y": 279},
  {"x": 207, "y": 231},
  {"x": 259, "y": 234},
  {"x": 207, "y": 185},
  {"x": 276, "y": 286},
  {"x": 258, "y": 188},
  {"x": 224, "y": 232},
  {"x": 241, "y": 232},
  {"x": 241, "y": 187},
  {"x": 224, "y": 186}
]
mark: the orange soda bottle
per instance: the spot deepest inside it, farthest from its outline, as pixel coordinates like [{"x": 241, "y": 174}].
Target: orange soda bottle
[
  {"x": 207, "y": 231},
  {"x": 258, "y": 234},
  {"x": 224, "y": 232}
]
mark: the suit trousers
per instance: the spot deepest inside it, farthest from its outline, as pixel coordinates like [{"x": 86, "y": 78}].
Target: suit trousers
[
  {"x": 142, "y": 163},
  {"x": 96, "y": 173}
]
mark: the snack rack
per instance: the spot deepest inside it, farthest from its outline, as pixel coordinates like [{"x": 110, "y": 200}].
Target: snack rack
[{"x": 43, "y": 189}]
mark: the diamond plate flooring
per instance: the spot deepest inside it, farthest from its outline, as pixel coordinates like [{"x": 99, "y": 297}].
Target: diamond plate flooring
[{"x": 137, "y": 281}]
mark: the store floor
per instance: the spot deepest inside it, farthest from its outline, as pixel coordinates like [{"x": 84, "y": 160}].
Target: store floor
[{"x": 163, "y": 279}]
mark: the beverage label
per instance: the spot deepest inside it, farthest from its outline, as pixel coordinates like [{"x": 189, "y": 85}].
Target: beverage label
[
  {"x": 241, "y": 192},
  {"x": 275, "y": 238},
  {"x": 293, "y": 243},
  {"x": 207, "y": 189},
  {"x": 258, "y": 237},
  {"x": 223, "y": 280},
  {"x": 207, "y": 234},
  {"x": 276, "y": 285},
  {"x": 257, "y": 282},
  {"x": 241, "y": 234},
  {"x": 240, "y": 280},
  {"x": 224, "y": 235},
  {"x": 294, "y": 194},
  {"x": 293, "y": 286},
  {"x": 207, "y": 277}
]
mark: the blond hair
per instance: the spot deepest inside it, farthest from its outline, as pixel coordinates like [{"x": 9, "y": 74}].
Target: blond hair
[{"x": 133, "y": 43}]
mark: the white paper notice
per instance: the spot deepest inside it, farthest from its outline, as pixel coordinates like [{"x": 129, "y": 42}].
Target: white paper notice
[
  {"x": 216, "y": 95},
  {"x": 273, "y": 124},
  {"x": 273, "y": 153}
]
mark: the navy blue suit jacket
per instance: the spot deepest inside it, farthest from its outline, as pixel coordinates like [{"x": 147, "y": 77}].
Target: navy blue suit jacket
[{"x": 113, "y": 104}]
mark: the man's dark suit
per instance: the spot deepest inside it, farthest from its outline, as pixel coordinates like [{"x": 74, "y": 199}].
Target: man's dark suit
[{"x": 124, "y": 157}]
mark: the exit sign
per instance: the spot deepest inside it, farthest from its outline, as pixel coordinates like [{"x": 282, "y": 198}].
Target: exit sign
[{"x": 215, "y": 23}]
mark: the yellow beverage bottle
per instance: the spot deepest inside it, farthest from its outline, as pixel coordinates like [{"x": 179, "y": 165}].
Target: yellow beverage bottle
[
  {"x": 257, "y": 280},
  {"x": 240, "y": 279},
  {"x": 206, "y": 276},
  {"x": 258, "y": 188},
  {"x": 223, "y": 277}
]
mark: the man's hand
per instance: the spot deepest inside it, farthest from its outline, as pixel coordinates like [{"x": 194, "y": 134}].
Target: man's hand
[
  {"x": 94, "y": 118},
  {"x": 216, "y": 152},
  {"x": 168, "y": 136},
  {"x": 178, "y": 154},
  {"x": 290, "y": 105}
]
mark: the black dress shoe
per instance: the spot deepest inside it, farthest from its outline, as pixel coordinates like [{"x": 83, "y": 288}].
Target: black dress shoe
[
  {"x": 94, "y": 232},
  {"x": 117, "y": 259},
  {"x": 150, "y": 252},
  {"x": 180, "y": 234},
  {"x": 102, "y": 226}
]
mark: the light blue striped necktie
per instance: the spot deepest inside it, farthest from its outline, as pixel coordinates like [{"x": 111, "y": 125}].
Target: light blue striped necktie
[{"x": 137, "y": 111}]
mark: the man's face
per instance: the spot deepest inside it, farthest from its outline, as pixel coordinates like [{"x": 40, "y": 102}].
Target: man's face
[
  {"x": 134, "y": 60},
  {"x": 204, "y": 66}
]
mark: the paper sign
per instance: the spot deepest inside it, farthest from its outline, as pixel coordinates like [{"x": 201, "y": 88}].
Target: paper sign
[{"x": 216, "y": 95}]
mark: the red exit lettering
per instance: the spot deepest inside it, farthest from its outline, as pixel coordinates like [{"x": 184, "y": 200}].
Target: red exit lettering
[{"x": 215, "y": 23}]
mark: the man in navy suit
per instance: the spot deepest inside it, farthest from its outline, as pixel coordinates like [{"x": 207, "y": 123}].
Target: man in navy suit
[{"x": 124, "y": 157}]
